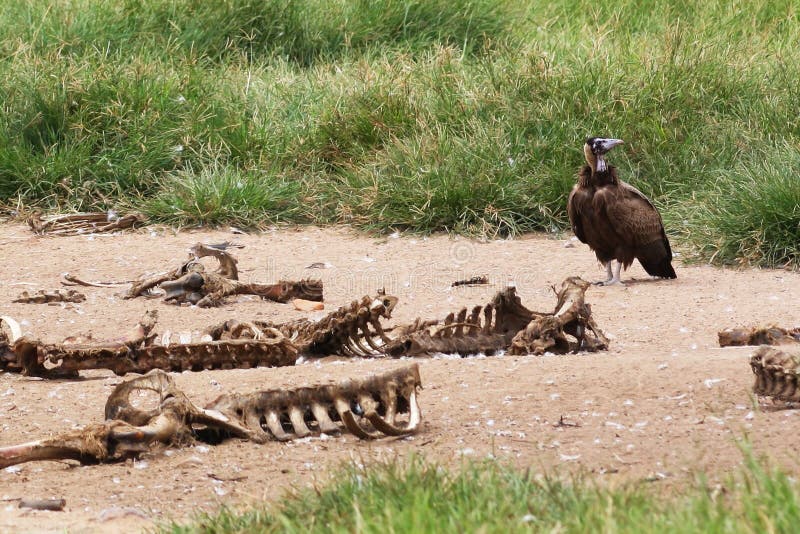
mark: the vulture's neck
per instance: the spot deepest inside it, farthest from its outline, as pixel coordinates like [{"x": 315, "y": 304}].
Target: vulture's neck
[{"x": 590, "y": 177}]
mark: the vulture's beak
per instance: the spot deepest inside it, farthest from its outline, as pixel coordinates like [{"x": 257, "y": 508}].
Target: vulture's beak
[{"x": 608, "y": 144}]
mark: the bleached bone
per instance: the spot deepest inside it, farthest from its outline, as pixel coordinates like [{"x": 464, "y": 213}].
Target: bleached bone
[
  {"x": 10, "y": 331},
  {"x": 262, "y": 416},
  {"x": 13, "y": 326},
  {"x": 368, "y": 408}
]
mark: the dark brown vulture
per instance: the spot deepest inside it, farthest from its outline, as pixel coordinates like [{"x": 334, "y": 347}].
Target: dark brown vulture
[{"x": 615, "y": 219}]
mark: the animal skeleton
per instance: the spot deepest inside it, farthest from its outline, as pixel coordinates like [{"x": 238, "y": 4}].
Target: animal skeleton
[
  {"x": 508, "y": 325},
  {"x": 488, "y": 329},
  {"x": 139, "y": 353},
  {"x": 572, "y": 316},
  {"x": 381, "y": 405}
]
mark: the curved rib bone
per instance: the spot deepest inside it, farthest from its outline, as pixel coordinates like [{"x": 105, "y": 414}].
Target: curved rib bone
[{"x": 13, "y": 326}]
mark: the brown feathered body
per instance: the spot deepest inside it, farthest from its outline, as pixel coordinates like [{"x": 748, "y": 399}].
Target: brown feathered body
[{"x": 619, "y": 222}]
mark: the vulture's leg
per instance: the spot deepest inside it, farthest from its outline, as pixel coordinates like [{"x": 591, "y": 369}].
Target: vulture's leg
[
  {"x": 609, "y": 276},
  {"x": 612, "y": 278}
]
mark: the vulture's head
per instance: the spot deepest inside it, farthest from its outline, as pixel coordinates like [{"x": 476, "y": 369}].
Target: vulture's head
[{"x": 595, "y": 150}]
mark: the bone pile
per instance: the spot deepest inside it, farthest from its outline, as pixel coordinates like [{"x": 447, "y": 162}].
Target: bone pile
[
  {"x": 191, "y": 283},
  {"x": 354, "y": 330}
]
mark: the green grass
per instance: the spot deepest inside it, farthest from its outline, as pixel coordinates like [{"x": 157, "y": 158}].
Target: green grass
[
  {"x": 488, "y": 497},
  {"x": 463, "y": 115}
]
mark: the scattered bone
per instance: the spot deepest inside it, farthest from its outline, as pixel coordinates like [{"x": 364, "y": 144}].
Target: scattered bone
[
  {"x": 82, "y": 223},
  {"x": 772, "y": 335},
  {"x": 474, "y": 281},
  {"x": 68, "y": 279},
  {"x": 381, "y": 405},
  {"x": 52, "y": 505},
  {"x": 564, "y": 423},
  {"x": 190, "y": 283},
  {"x": 45, "y": 297},
  {"x": 777, "y": 374},
  {"x": 307, "y": 305}
]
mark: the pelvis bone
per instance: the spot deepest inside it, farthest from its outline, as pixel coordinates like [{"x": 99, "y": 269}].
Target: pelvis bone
[{"x": 381, "y": 405}]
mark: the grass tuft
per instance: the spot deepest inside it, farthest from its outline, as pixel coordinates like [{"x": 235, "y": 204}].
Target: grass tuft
[
  {"x": 225, "y": 195},
  {"x": 488, "y": 497}
]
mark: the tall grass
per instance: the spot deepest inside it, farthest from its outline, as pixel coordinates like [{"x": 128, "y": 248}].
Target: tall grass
[
  {"x": 487, "y": 497},
  {"x": 464, "y": 116}
]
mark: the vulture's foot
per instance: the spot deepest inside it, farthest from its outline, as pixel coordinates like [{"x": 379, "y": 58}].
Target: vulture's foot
[
  {"x": 613, "y": 277},
  {"x": 612, "y": 282}
]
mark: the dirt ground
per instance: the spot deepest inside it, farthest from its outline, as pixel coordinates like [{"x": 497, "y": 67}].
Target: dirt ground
[{"x": 663, "y": 404}]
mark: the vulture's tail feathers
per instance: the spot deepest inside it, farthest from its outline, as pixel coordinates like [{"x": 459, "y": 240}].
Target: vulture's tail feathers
[{"x": 656, "y": 258}]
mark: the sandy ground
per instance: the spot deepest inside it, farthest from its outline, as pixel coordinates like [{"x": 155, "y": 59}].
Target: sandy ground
[{"x": 663, "y": 404}]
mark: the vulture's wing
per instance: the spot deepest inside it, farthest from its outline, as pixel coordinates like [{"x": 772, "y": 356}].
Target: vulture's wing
[
  {"x": 631, "y": 214},
  {"x": 579, "y": 199}
]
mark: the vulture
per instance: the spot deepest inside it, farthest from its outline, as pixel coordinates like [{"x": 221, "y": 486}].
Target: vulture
[{"x": 615, "y": 219}]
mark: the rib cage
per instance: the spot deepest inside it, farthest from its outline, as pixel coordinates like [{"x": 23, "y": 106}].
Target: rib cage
[
  {"x": 367, "y": 408},
  {"x": 776, "y": 373},
  {"x": 487, "y": 329},
  {"x": 353, "y": 330},
  {"x": 381, "y": 405}
]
